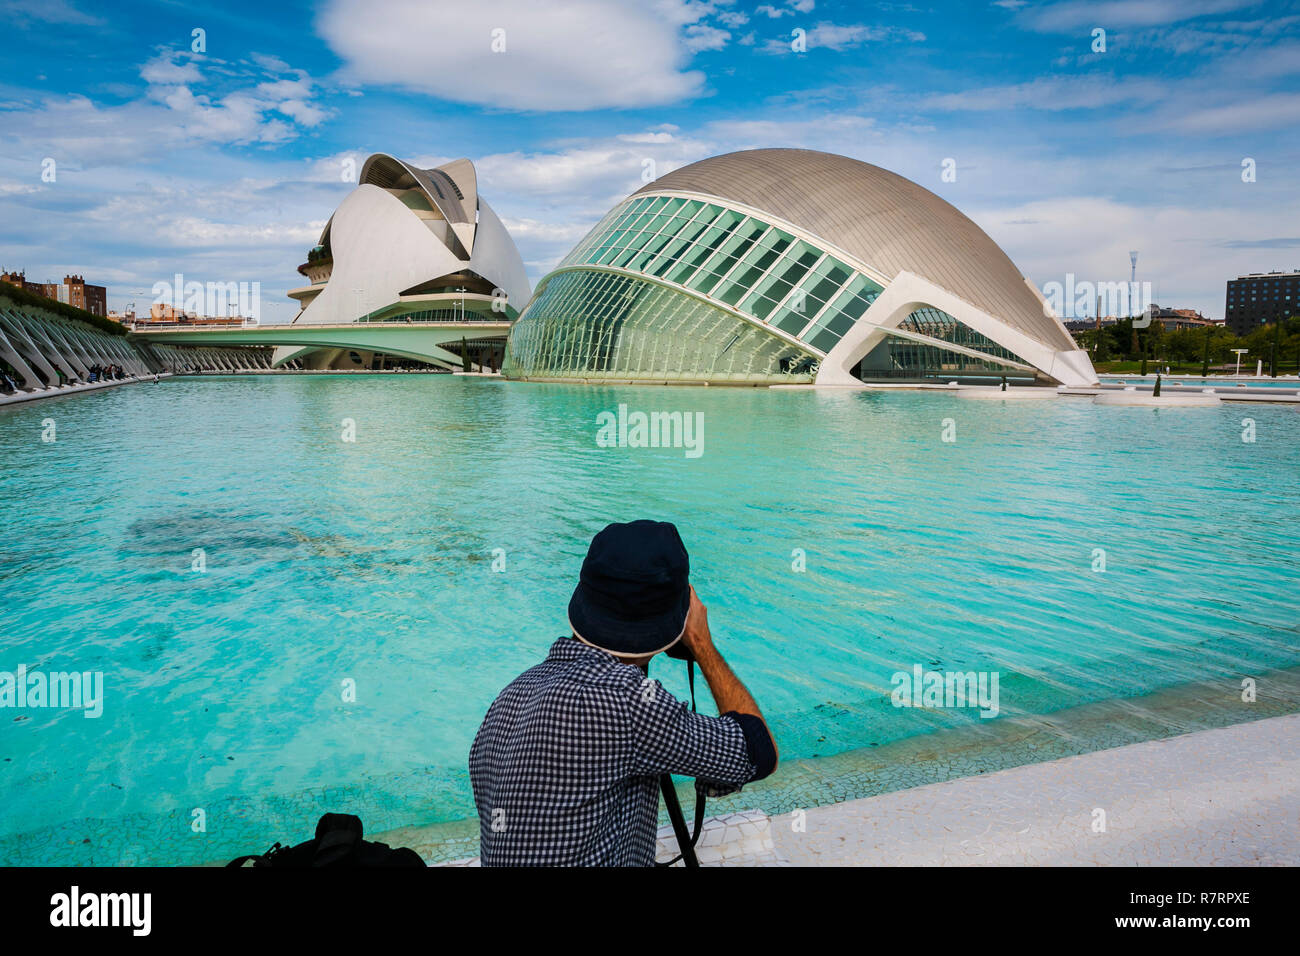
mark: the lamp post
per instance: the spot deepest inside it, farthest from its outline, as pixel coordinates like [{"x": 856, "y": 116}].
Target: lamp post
[{"x": 1240, "y": 353}]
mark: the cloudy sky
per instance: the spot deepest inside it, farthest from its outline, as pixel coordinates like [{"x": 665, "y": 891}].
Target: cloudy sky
[{"x": 224, "y": 164}]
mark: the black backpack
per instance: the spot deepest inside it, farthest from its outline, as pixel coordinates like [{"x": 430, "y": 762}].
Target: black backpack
[{"x": 337, "y": 843}]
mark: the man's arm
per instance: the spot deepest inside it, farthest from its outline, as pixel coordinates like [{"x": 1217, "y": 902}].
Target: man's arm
[{"x": 728, "y": 692}]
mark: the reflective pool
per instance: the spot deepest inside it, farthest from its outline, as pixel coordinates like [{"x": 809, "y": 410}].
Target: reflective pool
[{"x": 286, "y": 621}]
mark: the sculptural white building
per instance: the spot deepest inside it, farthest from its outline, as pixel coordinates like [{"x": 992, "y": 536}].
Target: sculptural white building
[
  {"x": 408, "y": 245},
  {"x": 787, "y": 265}
]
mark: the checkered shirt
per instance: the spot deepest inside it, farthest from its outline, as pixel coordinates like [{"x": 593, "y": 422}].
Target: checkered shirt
[{"x": 565, "y": 766}]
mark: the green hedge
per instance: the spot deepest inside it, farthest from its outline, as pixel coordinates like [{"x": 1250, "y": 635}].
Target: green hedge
[{"x": 23, "y": 297}]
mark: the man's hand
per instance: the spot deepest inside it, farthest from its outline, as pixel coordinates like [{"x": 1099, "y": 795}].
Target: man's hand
[
  {"x": 696, "y": 639},
  {"x": 727, "y": 690}
]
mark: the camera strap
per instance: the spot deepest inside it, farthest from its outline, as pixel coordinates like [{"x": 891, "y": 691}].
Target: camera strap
[{"x": 684, "y": 843}]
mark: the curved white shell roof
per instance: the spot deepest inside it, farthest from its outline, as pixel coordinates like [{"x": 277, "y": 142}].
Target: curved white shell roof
[
  {"x": 382, "y": 246},
  {"x": 887, "y": 222}
]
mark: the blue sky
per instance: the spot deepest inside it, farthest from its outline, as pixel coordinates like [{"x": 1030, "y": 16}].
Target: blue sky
[{"x": 224, "y": 164}]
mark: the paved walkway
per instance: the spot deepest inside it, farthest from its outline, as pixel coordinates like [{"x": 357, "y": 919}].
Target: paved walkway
[
  {"x": 1224, "y": 797},
  {"x": 55, "y": 392}
]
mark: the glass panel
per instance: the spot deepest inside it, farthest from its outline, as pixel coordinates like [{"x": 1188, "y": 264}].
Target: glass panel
[
  {"x": 822, "y": 288},
  {"x": 745, "y": 236},
  {"x": 620, "y": 257},
  {"x": 668, "y": 256},
  {"x": 843, "y": 312},
  {"x": 652, "y": 246},
  {"x": 778, "y": 241},
  {"x": 705, "y": 245},
  {"x": 658, "y": 222},
  {"x": 593, "y": 325},
  {"x": 824, "y": 340},
  {"x": 758, "y": 306},
  {"x": 610, "y": 254},
  {"x": 705, "y": 280},
  {"x": 791, "y": 320},
  {"x": 636, "y": 224},
  {"x": 732, "y": 293},
  {"x": 772, "y": 287},
  {"x": 745, "y": 278},
  {"x": 841, "y": 322},
  {"x": 710, "y": 259}
]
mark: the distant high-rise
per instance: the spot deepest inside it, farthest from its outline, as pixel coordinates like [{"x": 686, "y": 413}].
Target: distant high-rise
[
  {"x": 73, "y": 291},
  {"x": 1261, "y": 298}
]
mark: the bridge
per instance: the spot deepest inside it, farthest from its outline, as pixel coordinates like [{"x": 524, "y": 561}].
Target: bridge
[{"x": 421, "y": 341}]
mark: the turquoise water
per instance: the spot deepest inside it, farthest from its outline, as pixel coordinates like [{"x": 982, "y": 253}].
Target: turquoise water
[
  {"x": 372, "y": 561},
  {"x": 1228, "y": 382}
]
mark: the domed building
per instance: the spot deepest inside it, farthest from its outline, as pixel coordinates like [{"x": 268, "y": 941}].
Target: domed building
[
  {"x": 777, "y": 266},
  {"x": 408, "y": 245}
]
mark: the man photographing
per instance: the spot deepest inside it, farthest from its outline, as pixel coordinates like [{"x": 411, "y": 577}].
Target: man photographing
[{"x": 566, "y": 765}]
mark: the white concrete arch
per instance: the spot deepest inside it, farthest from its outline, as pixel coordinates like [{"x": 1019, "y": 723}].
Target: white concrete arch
[
  {"x": 7, "y": 351},
  {"x": 909, "y": 292},
  {"x": 26, "y": 347},
  {"x": 58, "y": 355}
]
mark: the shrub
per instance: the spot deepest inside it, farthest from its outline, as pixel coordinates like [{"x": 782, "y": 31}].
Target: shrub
[{"x": 22, "y": 297}]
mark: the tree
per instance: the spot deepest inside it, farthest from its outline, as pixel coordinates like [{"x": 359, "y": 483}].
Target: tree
[
  {"x": 1277, "y": 346},
  {"x": 1102, "y": 351}
]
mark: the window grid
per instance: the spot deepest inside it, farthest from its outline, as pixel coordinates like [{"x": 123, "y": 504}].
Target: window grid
[
  {"x": 714, "y": 251},
  {"x": 598, "y": 324}
]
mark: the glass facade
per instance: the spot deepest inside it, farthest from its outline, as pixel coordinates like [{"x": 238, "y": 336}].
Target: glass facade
[
  {"x": 595, "y": 324},
  {"x": 943, "y": 327},
  {"x": 739, "y": 260},
  {"x": 906, "y": 358},
  {"x": 728, "y": 260},
  {"x": 589, "y": 322}
]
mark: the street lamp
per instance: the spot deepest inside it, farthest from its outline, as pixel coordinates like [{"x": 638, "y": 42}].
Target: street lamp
[{"x": 1240, "y": 353}]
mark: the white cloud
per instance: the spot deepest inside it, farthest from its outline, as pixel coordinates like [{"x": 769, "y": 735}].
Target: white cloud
[
  {"x": 1050, "y": 93},
  {"x": 589, "y": 176},
  {"x": 1258, "y": 112},
  {"x": 163, "y": 70},
  {"x": 272, "y": 64},
  {"x": 790, "y": 9},
  {"x": 23, "y": 12},
  {"x": 702, "y": 37},
  {"x": 291, "y": 97},
  {"x": 1183, "y": 251},
  {"x": 838, "y": 37},
  {"x": 580, "y": 55},
  {"x": 1116, "y": 14},
  {"x": 174, "y": 111},
  {"x": 526, "y": 230}
]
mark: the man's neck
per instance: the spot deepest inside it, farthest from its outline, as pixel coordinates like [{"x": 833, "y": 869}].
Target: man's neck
[{"x": 640, "y": 662}]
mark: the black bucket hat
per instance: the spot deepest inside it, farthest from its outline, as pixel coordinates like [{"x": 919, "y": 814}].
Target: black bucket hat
[{"x": 634, "y": 590}]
